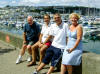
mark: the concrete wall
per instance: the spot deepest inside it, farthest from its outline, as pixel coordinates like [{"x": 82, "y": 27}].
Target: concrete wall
[
  {"x": 90, "y": 61},
  {"x": 14, "y": 40}
]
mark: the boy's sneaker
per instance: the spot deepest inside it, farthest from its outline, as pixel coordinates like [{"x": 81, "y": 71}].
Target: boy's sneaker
[
  {"x": 35, "y": 72},
  {"x": 29, "y": 59},
  {"x": 18, "y": 60}
]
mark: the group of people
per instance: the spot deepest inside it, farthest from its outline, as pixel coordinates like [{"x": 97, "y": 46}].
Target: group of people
[{"x": 55, "y": 41}]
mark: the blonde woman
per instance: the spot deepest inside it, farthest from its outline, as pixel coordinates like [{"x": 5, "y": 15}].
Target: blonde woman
[{"x": 73, "y": 53}]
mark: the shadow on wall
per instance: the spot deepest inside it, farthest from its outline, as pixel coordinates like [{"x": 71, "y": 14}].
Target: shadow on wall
[
  {"x": 2, "y": 51},
  {"x": 77, "y": 69},
  {"x": 85, "y": 51}
]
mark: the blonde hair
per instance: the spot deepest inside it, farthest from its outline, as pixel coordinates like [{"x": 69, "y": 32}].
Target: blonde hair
[{"x": 75, "y": 14}]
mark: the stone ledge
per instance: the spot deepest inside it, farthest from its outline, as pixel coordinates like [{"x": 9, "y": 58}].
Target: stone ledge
[{"x": 90, "y": 61}]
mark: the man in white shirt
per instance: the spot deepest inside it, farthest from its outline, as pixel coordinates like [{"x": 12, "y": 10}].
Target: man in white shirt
[
  {"x": 54, "y": 52},
  {"x": 43, "y": 43}
]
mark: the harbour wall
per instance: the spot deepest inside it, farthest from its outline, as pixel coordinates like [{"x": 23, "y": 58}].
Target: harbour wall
[
  {"x": 90, "y": 61},
  {"x": 11, "y": 39}
]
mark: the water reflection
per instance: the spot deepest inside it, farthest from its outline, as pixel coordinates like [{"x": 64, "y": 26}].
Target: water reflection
[
  {"x": 12, "y": 30},
  {"x": 92, "y": 46}
]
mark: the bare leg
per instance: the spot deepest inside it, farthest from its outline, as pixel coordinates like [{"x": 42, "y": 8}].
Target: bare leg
[
  {"x": 69, "y": 68},
  {"x": 50, "y": 70},
  {"x": 22, "y": 52},
  {"x": 34, "y": 54},
  {"x": 19, "y": 59},
  {"x": 40, "y": 67},
  {"x": 63, "y": 69},
  {"x": 42, "y": 53},
  {"x": 29, "y": 49},
  {"x": 34, "y": 48}
]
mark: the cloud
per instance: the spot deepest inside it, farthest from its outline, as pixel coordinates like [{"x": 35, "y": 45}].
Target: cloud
[
  {"x": 3, "y": 3},
  {"x": 30, "y": 1},
  {"x": 13, "y": 2},
  {"x": 90, "y": 3}
]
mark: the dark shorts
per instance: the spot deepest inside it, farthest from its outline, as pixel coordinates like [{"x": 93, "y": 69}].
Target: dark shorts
[
  {"x": 53, "y": 54},
  {"x": 29, "y": 43}
]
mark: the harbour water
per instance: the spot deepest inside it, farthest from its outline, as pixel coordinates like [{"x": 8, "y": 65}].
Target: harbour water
[
  {"x": 92, "y": 46},
  {"x": 12, "y": 30}
]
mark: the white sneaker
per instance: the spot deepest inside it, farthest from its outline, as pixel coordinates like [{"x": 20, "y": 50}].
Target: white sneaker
[
  {"x": 29, "y": 59},
  {"x": 35, "y": 72},
  {"x": 18, "y": 60}
]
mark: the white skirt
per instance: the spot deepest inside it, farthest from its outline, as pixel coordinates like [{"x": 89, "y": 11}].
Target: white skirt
[{"x": 73, "y": 58}]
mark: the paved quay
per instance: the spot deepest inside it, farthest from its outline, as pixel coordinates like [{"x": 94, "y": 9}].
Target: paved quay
[{"x": 8, "y": 55}]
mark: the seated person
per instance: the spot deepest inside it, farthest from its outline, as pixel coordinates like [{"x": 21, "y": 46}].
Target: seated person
[
  {"x": 43, "y": 42},
  {"x": 30, "y": 36},
  {"x": 72, "y": 55}
]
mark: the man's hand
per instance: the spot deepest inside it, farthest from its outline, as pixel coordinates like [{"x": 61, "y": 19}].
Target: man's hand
[{"x": 24, "y": 42}]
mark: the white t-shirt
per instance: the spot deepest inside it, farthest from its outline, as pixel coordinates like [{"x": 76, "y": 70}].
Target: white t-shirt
[
  {"x": 60, "y": 34},
  {"x": 45, "y": 31}
]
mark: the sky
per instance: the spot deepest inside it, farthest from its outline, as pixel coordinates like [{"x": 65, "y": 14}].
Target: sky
[{"x": 90, "y": 3}]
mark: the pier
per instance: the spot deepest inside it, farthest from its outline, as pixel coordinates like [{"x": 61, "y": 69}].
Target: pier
[
  {"x": 8, "y": 55},
  {"x": 9, "y": 49}
]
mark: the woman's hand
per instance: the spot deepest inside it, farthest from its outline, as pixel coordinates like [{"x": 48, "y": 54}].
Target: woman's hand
[{"x": 70, "y": 50}]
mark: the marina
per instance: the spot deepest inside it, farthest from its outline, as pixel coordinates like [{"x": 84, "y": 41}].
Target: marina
[{"x": 13, "y": 19}]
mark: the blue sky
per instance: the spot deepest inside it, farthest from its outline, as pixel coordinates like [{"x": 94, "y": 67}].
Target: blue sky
[{"x": 90, "y": 3}]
